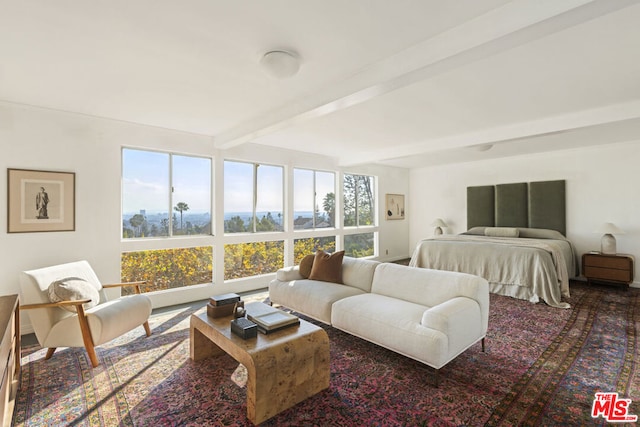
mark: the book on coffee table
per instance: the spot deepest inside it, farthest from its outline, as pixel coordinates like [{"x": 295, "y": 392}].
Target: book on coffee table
[{"x": 269, "y": 319}]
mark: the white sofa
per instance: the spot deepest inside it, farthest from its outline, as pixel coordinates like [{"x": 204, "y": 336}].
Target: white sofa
[{"x": 428, "y": 315}]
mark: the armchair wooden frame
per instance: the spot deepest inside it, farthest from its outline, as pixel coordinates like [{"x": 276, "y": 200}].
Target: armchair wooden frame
[{"x": 82, "y": 319}]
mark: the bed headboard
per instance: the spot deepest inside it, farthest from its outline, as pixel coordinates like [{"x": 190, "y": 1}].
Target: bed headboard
[{"x": 535, "y": 205}]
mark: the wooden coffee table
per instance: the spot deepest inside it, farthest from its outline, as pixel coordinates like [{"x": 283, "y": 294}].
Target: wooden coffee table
[{"x": 284, "y": 367}]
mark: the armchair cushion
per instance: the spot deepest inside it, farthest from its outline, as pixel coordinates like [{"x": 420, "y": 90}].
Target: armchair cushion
[
  {"x": 106, "y": 322},
  {"x": 72, "y": 289}
]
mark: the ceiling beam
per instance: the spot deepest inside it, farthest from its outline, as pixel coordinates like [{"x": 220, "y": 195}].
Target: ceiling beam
[
  {"x": 515, "y": 23},
  {"x": 501, "y": 134}
]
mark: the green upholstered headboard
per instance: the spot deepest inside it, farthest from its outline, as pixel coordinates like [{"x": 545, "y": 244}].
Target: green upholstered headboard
[{"x": 535, "y": 205}]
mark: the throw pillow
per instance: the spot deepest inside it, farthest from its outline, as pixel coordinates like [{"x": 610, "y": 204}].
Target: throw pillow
[
  {"x": 73, "y": 289},
  {"x": 327, "y": 267},
  {"x": 305, "y": 266}
]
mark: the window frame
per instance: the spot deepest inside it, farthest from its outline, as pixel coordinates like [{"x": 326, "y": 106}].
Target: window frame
[
  {"x": 314, "y": 228},
  {"x": 171, "y": 188},
  {"x": 254, "y": 197},
  {"x": 374, "y": 205}
]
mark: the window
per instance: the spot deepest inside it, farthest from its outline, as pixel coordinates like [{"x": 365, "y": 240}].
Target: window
[
  {"x": 253, "y": 197},
  {"x": 253, "y": 203},
  {"x": 359, "y": 211},
  {"x": 165, "y": 194},
  {"x": 167, "y": 268},
  {"x": 314, "y": 199},
  {"x": 303, "y": 247},
  {"x": 359, "y": 245},
  {"x": 252, "y": 259},
  {"x": 359, "y": 206}
]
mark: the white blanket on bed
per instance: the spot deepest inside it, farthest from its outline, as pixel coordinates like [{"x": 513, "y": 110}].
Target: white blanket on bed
[{"x": 537, "y": 264}]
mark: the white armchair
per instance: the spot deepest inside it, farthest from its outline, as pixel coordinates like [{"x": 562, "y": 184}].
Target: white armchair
[{"x": 57, "y": 327}]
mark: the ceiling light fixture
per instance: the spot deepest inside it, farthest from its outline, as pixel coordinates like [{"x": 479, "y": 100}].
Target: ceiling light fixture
[
  {"x": 280, "y": 64},
  {"x": 483, "y": 147}
]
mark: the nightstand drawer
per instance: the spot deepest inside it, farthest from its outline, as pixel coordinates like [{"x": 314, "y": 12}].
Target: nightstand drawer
[
  {"x": 596, "y": 273},
  {"x": 620, "y": 263}
]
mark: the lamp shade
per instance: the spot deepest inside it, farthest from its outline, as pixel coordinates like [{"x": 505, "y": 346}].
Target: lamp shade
[
  {"x": 438, "y": 223},
  {"x": 609, "y": 228}
]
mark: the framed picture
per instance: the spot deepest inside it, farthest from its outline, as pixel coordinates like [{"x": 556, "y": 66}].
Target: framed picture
[
  {"x": 394, "y": 204},
  {"x": 40, "y": 201}
]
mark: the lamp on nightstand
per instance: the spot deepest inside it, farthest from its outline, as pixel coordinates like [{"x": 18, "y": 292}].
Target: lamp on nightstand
[
  {"x": 608, "y": 242},
  {"x": 438, "y": 224}
]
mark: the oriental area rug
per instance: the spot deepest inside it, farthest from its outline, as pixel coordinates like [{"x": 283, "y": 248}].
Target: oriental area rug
[{"x": 542, "y": 366}]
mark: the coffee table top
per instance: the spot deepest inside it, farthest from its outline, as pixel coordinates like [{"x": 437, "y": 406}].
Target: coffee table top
[{"x": 221, "y": 326}]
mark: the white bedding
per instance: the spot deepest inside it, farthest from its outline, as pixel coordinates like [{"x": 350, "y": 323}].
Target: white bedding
[{"x": 525, "y": 268}]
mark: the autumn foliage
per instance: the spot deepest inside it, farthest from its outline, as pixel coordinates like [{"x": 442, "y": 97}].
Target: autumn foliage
[
  {"x": 252, "y": 259},
  {"x": 168, "y": 268}
]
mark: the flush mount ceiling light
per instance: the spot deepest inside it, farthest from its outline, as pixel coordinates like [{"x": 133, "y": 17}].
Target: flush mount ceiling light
[
  {"x": 479, "y": 147},
  {"x": 483, "y": 147},
  {"x": 280, "y": 64}
]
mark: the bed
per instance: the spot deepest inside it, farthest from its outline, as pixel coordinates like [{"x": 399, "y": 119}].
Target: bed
[{"x": 515, "y": 239}]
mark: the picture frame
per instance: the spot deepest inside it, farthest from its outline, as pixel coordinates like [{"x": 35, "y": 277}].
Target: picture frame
[
  {"x": 394, "y": 206},
  {"x": 40, "y": 201}
]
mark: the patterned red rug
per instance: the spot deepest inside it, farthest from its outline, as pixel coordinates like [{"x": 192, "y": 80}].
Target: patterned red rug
[{"x": 542, "y": 367}]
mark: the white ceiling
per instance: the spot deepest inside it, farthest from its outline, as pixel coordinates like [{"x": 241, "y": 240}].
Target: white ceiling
[{"x": 402, "y": 82}]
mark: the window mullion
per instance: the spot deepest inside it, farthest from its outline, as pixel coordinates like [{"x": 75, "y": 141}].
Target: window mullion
[
  {"x": 255, "y": 196},
  {"x": 315, "y": 200},
  {"x": 357, "y": 201},
  {"x": 171, "y": 189}
]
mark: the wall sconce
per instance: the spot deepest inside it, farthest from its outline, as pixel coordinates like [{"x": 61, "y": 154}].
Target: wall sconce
[
  {"x": 608, "y": 242},
  {"x": 438, "y": 224}
]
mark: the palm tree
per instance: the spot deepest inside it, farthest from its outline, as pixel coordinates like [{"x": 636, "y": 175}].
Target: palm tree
[
  {"x": 136, "y": 222},
  {"x": 181, "y": 207}
]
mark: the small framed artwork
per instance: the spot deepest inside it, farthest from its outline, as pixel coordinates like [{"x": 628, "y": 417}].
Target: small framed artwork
[
  {"x": 394, "y": 204},
  {"x": 40, "y": 201}
]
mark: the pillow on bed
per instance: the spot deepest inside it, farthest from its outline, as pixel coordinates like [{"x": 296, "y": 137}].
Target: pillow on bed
[
  {"x": 541, "y": 233},
  {"x": 478, "y": 231},
  {"x": 501, "y": 232}
]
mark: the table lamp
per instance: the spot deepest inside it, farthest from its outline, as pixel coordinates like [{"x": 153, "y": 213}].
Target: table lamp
[
  {"x": 438, "y": 224},
  {"x": 608, "y": 242}
]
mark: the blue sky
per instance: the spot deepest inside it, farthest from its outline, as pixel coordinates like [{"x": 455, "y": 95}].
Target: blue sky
[{"x": 146, "y": 184}]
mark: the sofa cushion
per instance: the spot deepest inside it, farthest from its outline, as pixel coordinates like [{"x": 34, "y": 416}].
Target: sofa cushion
[
  {"x": 306, "y": 265},
  {"x": 425, "y": 286},
  {"x": 287, "y": 274},
  {"x": 73, "y": 289},
  {"x": 327, "y": 267},
  {"x": 311, "y": 297},
  {"x": 358, "y": 272}
]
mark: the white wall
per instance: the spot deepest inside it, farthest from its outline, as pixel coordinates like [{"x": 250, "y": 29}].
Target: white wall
[
  {"x": 602, "y": 186},
  {"x": 34, "y": 138}
]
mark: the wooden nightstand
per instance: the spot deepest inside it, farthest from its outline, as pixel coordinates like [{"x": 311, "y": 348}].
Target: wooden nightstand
[{"x": 612, "y": 269}]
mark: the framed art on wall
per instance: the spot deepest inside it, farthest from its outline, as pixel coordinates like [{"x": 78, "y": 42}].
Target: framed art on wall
[
  {"x": 394, "y": 205},
  {"x": 40, "y": 201}
]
